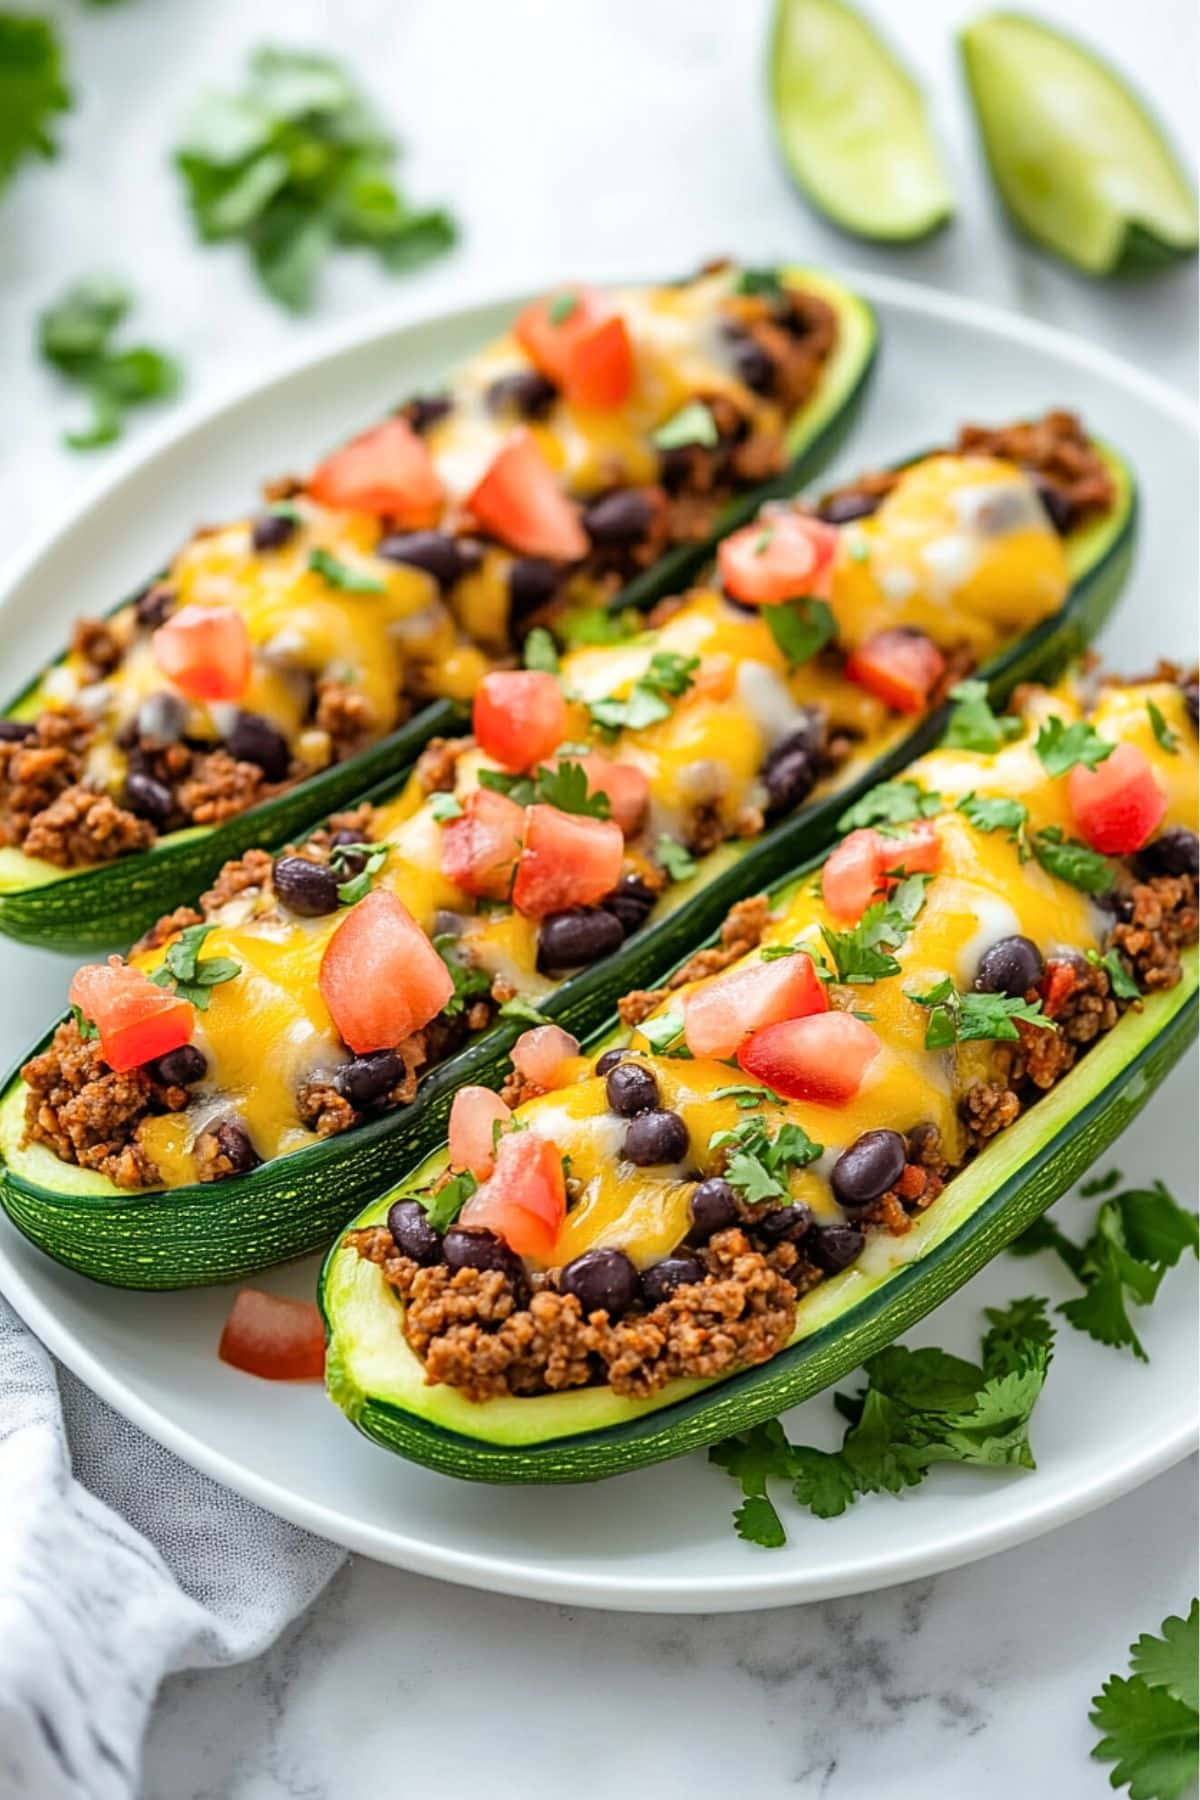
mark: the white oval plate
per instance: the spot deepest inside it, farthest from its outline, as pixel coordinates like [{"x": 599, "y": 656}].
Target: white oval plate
[{"x": 659, "y": 1540}]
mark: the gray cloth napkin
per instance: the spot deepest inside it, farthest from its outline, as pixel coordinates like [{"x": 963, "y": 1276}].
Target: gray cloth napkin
[{"x": 118, "y": 1565}]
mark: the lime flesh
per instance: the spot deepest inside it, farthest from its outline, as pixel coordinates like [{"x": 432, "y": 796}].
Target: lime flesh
[
  {"x": 851, "y": 124},
  {"x": 1078, "y": 161}
]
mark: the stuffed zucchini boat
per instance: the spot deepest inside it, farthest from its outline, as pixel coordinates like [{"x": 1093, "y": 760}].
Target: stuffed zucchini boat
[
  {"x": 284, "y": 662},
  {"x": 791, "y": 1152},
  {"x": 605, "y": 814}
]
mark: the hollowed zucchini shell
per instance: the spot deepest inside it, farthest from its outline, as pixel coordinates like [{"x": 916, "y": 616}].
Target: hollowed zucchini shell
[
  {"x": 220, "y": 1231},
  {"x": 111, "y": 904},
  {"x": 590, "y": 1433}
]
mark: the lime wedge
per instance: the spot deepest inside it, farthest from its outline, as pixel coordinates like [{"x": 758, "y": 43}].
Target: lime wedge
[
  {"x": 1079, "y": 162},
  {"x": 851, "y": 124}
]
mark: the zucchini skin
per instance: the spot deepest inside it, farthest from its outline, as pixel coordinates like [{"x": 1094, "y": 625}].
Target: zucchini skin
[
  {"x": 833, "y": 1350},
  {"x": 109, "y": 906},
  {"x": 223, "y": 1231}
]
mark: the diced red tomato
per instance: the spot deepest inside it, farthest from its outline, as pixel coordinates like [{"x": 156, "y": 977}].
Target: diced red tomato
[
  {"x": 626, "y": 787},
  {"x": 524, "y": 1200},
  {"x": 205, "y": 651},
  {"x": 548, "y": 328},
  {"x": 568, "y": 860},
  {"x": 474, "y": 1116},
  {"x": 481, "y": 847},
  {"x": 599, "y": 372},
  {"x": 541, "y": 1054},
  {"x": 281, "y": 1340},
  {"x": 867, "y": 864},
  {"x": 779, "y": 556},
  {"x": 520, "y": 502},
  {"x": 1118, "y": 805},
  {"x": 136, "y": 1019},
  {"x": 380, "y": 976},
  {"x": 520, "y": 717},
  {"x": 822, "y": 1058},
  {"x": 387, "y": 470},
  {"x": 722, "y": 1013},
  {"x": 899, "y": 667},
  {"x": 1058, "y": 984}
]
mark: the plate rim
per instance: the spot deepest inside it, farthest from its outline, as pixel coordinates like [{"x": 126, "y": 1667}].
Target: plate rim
[{"x": 752, "y": 1589}]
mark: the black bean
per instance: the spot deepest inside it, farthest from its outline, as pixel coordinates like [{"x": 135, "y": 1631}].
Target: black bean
[
  {"x": 532, "y": 583},
  {"x": 1191, "y": 699},
  {"x": 180, "y": 1068},
  {"x": 438, "y": 554},
  {"x": 843, "y": 509},
  {"x": 232, "y": 1141},
  {"x": 272, "y": 530},
  {"x": 526, "y": 393},
  {"x": 424, "y": 410},
  {"x": 631, "y": 1089},
  {"x": 160, "y": 719},
  {"x": 155, "y": 605},
  {"x": 834, "y": 1247},
  {"x": 1060, "y": 508},
  {"x": 619, "y": 519},
  {"x": 1174, "y": 852},
  {"x": 783, "y": 1223},
  {"x": 631, "y": 903},
  {"x": 255, "y": 740},
  {"x": 474, "y": 1247},
  {"x": 677, "y": 468},
  {"x": 16, "y": 731},
  {"x": 656, "y": 1137},
  {"x": 754, "y": 364},
  {"x": 369, "y": 1078},
  {"x": 572, "y": 940},
  {"x": 412, "y": 1233},
  {"x": 307, "y": 888},
  {"x": 714, "y": 1208},
  {"x": 1011, "y": 966},
  {"x": 602, "y": 1281},
  {"x": 445, "y": 922},
  {"x": 148, "y": 799},
  {"x": 678, "y": 1270},
  {"x": 608, "y": 1061},
  {"x": 873, "y": 1163},
  {"x": 790, "y": 771}
]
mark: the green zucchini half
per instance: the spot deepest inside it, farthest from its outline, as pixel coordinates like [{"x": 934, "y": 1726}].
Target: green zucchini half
[
  {"x": 590, "y": 1433},
  {"x": 109, "y": 905},
  {"x": 221, "y": 1231}
]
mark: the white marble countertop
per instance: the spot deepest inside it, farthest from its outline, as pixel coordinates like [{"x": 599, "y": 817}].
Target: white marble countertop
[{"x": 594, "y": 135}]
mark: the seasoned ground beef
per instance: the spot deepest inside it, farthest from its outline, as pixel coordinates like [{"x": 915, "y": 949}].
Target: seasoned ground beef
[
  {"x": 99, "y": 644},
  {"x": 219, "y": 787},
  {"x": 36, "y": 769},
  {"x": 82, "y": 826},
  {"x": 438, "y": 761},
  {"x": 1162, "y": 918},
  {"x": 166, "y": 927},
  {"x": 794, "y": 333},
  {"x": 250, "y": 870},
  {"x": 346, "y": 715},
  {"x": 358, "y": 820},
  {"x": 85, "y": 1113}
]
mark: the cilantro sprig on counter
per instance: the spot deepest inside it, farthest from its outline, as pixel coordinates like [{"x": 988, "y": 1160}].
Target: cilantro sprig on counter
[
  {"x": 75, "y": 337},
  {"x": 1060, "y": 747},
  {"x": 32, "y": 90},
  {"x": 864, "y": 954},
  {"x": 973, "y": 725},
  {"x": 294, "y": 166},
  {"x": 1137, "y": 1236},
  {"x": 758, "y": 1164},
  {"x": 667, "y": 677},
  {"x": 191, "y": 975},
  {"x": 919, "y": 1408},
  {"x": 890, "y": 803},
  {"x": 957, "y": 1018},
  {"x": 1150, "y": 1718}
]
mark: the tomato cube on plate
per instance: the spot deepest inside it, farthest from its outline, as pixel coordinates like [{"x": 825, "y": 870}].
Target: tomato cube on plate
[{"x": 269, "y": 1336}]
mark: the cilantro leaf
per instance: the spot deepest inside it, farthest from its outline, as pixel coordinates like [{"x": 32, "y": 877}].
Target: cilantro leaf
[
  {"x": 863, "y": 954},
  {"x": 87, "y": 1031},
  {"x": 759, "y": 1165},
  {"x": 1073, "y": 862},
  {"x": 190, "y": 975},
  {"x": 518, "y": 788},
  {"x": 1153, "y": 1738},
  {"x": 296, "y": 165},
  {"x": 890, "y": 803},
  {"x": 471, "y": 983},
  {"x": 1119, "y": 979},
  {"x": 74, "y": 337},
  {"x": 823, "y": 1481},
  {"x": 692, "y": 424},
  {"x": 340, "y": 575},
  {"x": 598, "y": 625},
  {"x": 663, "y": 1032},
  {"x": 32, "y": 90},
  {"x": 1172, "y": 1661},
  {"x": 567, "y": 788},
  {"x": 442, "y": 1208},
  {"x": 1100, "y": 1184},
  {"x": 1167, "y": 739},
  {"x": 995, "y": 812},
  {"x": 445, "y": 806},
  {"x": 1060, "y": 747},
  {"x": 343, "y": 857},
  {"x": 540, "y": 652},
  {"x": 757, "y": 1522},
  {"x": 679, "y": 862},
  {"x": 801, "y": 627},
  {"x": 956, "y": 1017},
  {"x": 973, "y": 725},
  {"x": 667, "y": 677},
  {"x": 516, "y": 1008}
]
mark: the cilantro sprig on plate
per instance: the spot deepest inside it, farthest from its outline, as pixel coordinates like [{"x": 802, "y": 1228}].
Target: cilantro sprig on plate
[{"x": 919, "y": 1408}]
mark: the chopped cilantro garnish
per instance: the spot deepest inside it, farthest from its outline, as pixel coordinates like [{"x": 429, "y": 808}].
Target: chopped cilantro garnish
[
  {"x": 800, "y": 627},
  {"x": 565, "y": 786},
  {"x": 340, "y": 575},
  {"x": 863, "y": 954},
  {"x": 1060, "y": 747},
  {"x": 32, "y": 89},
  {"x": 955, "y": 1017},
  {"x": 748, "y": 1094},
  {"x": 190, "y": 974},
  {"x": 445, "y": 807},
  {"x": 442, "y": 1208},
  {"x": 516, "y": 1008},
  {"x": 87, "y": 1030},
  {"x": 667, "y": 677},
  {"x": 996, "y": 812},
  {"x": 598, "y": 625},
  {"x": 1119, "y": 979},
  {"x": 561, "y": 307},
  {"x": 679, "y": 862},
  {"x": 692, "y": 424},
  {"x": 973, "y": 725},
  {"x": 1072, "y": 861},
  {"x": 539, "y": 651},
  {"x": 355, "y": 886},
  {"x": 1167, "y": 739},
  {"x": 890, "y": 803},
  {"x": 762, "y": 543},
  {"x": 663, "y": 1031},
  {"x": 1100, "y": 1184},
  {"x": 758, "y": 281},
  {"x": 470, "y": 983},
  {"x": 758, "y": 1165}
]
